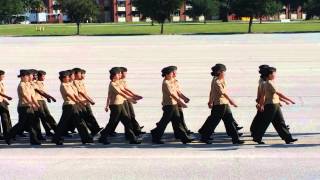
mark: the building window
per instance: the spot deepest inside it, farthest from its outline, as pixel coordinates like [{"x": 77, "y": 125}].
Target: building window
[{"x": 121, "y": 4}]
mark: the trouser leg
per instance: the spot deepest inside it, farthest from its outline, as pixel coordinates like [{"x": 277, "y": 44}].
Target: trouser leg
[
  {"x": 126, "y": 121},
  {"x": 212, "y": 121},
  {"x": 41, "y": 115},
  {"x": 49, "y": 118},
  {"x": 81, "y": 126},
  {"x": 130, "y": 113},
  {"x": 71, "y": 113},
  {"x": 267, "y": 117},
  {"x": 280, "y": 125},
  {"x": 135, "y": 124},
  {"x": 64, "y": 123},
  {"x": 33, "y": 125},
  {"x": 115, "y": 112},
  {"x": 26, "y": 122},
  {"x": 89, "y": 119},
  {"x": 92, "y": 118},
  {"x": 178, "y": 127},
  {"x": 229, "y": 124},
  {"x": 5, "y": 118},
  {"x": 158, "y": 131},
  {"x": 255, "y": 125},
  {"x": 183, "y": 123}
]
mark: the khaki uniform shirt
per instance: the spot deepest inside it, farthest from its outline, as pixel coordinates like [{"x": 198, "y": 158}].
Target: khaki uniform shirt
[
  {"x": 40, "y": 86},
  {"x": 66, "y": 88},
  {"x": 25, "y": 90},
  {"x": 270, "y": 93},
  {"x": 218, "y": 88},
  {"x": 260, "y": 89},
  {"x": 114, "y": 93},
  {"x": 2, "y": 91},
  {"x": 168, "y": 88},
  {"x": 123, "y": 83},
  {"x": 79, "y": 84}
]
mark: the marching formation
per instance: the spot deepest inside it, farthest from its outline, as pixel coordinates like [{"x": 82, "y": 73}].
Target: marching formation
[{"x": 77, "y": 113}]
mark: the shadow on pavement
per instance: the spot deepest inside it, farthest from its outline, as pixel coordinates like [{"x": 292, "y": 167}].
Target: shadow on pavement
[{"x": 221, "y": 142}]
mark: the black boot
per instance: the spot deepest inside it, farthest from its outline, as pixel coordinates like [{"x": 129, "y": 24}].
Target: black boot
[
  {"x": 135, "y": 142},
  {"x": 157, "y": 141},
  {"x": 104, "y": 141},
  {"x": 258, "y": 141},
  {"x": 238, "y": 142},
  {"x": 289, "y": 141}
]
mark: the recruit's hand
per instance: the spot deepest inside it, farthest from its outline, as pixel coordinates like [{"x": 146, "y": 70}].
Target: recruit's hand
[
  {"x": 53, "y": 99},
  {"x": 137, "y": 97},
  {"x": 92, "y": 103},
  {"x": 186, "y": 100},
  {"x": 9, "y": 98},
  {"x": 210, "y": 105},
  {"x": 233, "y": 104},
  {"x": 106, "y": 109},
  {"x": 49, "y": 100}
]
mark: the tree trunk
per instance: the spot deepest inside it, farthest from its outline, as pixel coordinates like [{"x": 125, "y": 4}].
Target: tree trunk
[
  {"x": 78, "y": 28},
  {"x": 250, "y": 24},
  {"x": 289, "y": 10},
  {"x": 260, "y": 20},
  {"x": 161, "y": 28}
]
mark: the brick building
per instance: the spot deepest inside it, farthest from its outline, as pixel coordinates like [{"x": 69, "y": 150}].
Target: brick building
[{"x": 124, "y": 11}]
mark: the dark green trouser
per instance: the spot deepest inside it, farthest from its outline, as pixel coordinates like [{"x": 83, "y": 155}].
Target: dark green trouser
[
  {"x": 135, "y": 125},
  {"x": 118, "y": 113},
  {"x": 132, "y": 115},
  {"x": 256, "y": 125},
  {"x": 5, "y": 118},
  {"x": 27, "y": 120},
  {"x": 170, "y": 114},
  {"x": 272, "y": 113},
  {"x": 89, "y": 119},
  {"x": 71, "y": 113},
  {"x": 45, "y": 116},
  {"x": 219, "y": 112},
  {"x": 183, "y": 122}
]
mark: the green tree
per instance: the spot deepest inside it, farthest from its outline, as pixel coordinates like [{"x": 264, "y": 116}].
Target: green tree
[
  {"x": 161, "y": 9},
  {"x": 207, "y": 8},
  {"x": 224, "y": 9},
  {"x": 145, "y": 6},
  {"x": 255, "y": 9},
  {"x": 312, "y": 8},
  {"x": 9, "y": 8},
  {"x": 79, "y": 11}
]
